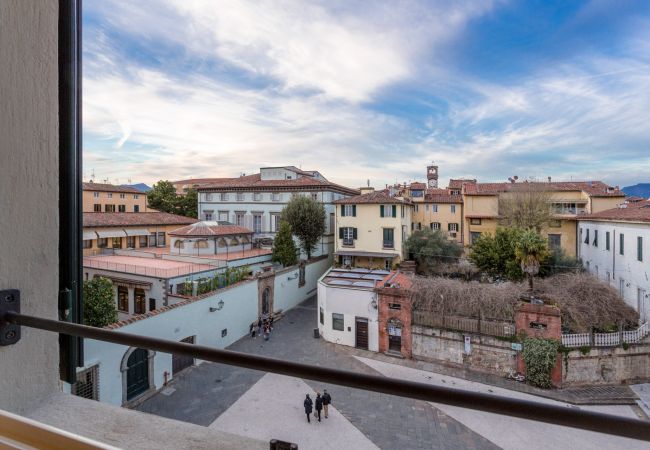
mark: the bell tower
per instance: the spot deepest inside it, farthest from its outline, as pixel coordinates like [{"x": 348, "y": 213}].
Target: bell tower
[{"x": 432, "y": 176}]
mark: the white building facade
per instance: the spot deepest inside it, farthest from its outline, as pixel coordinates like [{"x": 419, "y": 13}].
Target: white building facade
[
  {"x": 256, "y": 201},
  {"x": 347, "y": 307},
  {"x": 614, "y": 245}
]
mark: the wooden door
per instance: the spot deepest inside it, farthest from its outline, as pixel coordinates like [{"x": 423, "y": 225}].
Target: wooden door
[
  {"x": 361, "y": 326},
  {"x": 137, "y": 375},
  {"x": 181, "y": 362}
]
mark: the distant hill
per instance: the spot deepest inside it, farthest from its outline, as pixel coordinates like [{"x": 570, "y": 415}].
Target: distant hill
[
  {"x": 140, "y": 187},
  {"x": 641, "y": 190}
]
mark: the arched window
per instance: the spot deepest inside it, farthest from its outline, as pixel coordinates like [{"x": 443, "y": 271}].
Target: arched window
[
  {"x": 234, "y": 241},
  {"x": 265, "y": 300},
  {"x": 222, "y": 242},
  {"x": 178, "y": 244},
  {"x": 244, "y": 240},
  {"x": 201, "y": 243}
]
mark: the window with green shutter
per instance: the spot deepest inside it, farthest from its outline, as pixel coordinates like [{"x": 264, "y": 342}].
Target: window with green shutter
[
  {"x": 381, "y": 210},
  {"x": 607, "y": 240},
  {"x": 394, "y": 210},
  {"x": 639, "y": 248},
  {"x": 621, "y": 242}
]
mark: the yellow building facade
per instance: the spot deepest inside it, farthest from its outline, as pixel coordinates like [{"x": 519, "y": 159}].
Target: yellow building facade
[
  {"x": 567, "y": 200},
  {"x": 98, "y": 197},
  {"x": 372, "y": 229}
]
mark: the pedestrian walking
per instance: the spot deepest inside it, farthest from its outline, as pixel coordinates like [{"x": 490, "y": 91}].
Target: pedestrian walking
[
  {"x": 259, "y": 326},
  {"x": 271, "y": 322},
  {"x": 267, "y": 332},
  {"x": 308, "y": 406},
  {"x": 327, "y": 399},
  {"x": 319, "y": 405},
  {"x": 252, "y": 329}
]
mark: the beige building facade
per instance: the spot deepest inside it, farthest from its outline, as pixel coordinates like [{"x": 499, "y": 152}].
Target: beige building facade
[
  {"x": 372, "y": 229},
  {"x": 99, "y": 197}
]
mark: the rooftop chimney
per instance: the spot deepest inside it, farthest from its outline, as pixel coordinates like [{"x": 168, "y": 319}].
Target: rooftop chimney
[{"x": 367, "y": 190}]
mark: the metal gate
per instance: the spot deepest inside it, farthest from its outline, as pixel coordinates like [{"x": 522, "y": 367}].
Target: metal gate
[
  {"x": 361, "y": 326},
  {"x": 137, "y": 374},
  {"x": 181, "y": 362}
]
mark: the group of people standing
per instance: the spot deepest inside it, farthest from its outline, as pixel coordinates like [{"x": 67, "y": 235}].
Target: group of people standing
[
  {"x": 320, "y": 404},
  {"x": 262, "y": 327}
]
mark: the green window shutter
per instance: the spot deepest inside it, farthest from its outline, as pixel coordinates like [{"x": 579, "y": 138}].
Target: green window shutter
[
  {"x": 394, "y": 210},
  {"x": 354, "y": 233},
  {"x": 342, "y": 210},
  {"x": 354, "y": 210},
  {"x": 639, "y": 248},
  {"x": 381, "y": 210},
  {"x": 340, "y": 233}
]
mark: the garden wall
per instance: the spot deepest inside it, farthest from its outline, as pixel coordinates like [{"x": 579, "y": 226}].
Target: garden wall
[
  {"x": 486, "y": 353},
  {"x": 608, "y": 366}
]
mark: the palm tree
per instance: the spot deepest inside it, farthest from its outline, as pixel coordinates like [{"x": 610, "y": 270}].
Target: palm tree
[{"x": 531, "y": 249}]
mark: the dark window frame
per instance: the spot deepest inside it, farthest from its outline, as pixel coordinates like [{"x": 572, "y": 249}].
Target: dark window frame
[{"x": 338, "y": 323}]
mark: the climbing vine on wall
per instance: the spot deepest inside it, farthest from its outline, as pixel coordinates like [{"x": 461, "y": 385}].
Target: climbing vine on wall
[{"x": 540, "y": 356}]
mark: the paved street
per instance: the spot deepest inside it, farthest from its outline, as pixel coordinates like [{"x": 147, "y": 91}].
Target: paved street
[{"x": 204, "y": 393}]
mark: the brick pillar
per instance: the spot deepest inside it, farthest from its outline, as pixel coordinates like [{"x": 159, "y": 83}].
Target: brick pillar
[
  {"x": 394, "y": 306},
  {"x": 540, "y": 321}
]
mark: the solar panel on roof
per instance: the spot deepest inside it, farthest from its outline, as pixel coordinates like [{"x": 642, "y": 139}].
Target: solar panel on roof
[
  {"x": 341, "y": 282},
  {"x": 363, "y": 284}
]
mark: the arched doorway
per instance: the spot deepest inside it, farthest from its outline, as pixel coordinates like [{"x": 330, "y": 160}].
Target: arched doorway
[
  {"x": 137, "y": 373},
  {"x": 266, "y": 295}
]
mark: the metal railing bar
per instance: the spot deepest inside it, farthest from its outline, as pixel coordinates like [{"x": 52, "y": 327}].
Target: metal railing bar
[{"x": 558, "y": 415}]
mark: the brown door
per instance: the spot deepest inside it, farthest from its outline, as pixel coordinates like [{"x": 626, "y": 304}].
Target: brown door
[
  {"x": 362, "y": 333},
  {"x": 181, "y": 362},
  {"x": 395, "y": 343}
]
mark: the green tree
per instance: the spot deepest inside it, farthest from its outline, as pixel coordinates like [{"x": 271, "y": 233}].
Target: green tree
[
  {"x": 306, "y": 217},
  {"x": 186, "y": 205},
  {"x": 99, "y": 303},
  {"x": 284, "y": 249},
  {"x": 495, "y": 254},
  {"x": 163, "y": 197},
  {"x": 530, "y": 250},
  {"x": 431, "y": 248}
]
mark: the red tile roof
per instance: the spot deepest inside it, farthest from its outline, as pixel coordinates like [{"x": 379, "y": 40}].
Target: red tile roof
[
  {"x": 208, "y": 229},
  {"x": 197, "y": 181},
  {"x": 634, "y": 198},
  {"x": 632, "y": 212},
  {"x": 436, "y": 195},
  {"x": 592, "y": 188},
  {"x": 377, "y": 197},
  {"x": 458, "y": 183},
  {"x": 118, "y": 219},
  {"x": 397, "y": 280},
  {"x": 418, "y": 186},
  {"x": 100, "y": 187},
  {"x": 255, "y": 182}
]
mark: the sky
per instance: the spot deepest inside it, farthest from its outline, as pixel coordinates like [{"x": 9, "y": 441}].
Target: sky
[{"x": 367, "y": 91}]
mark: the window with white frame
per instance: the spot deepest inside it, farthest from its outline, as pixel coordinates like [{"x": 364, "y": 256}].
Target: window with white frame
[
  {"x": 122, "y": 195},
  {"x": 453, "y": 209},
  {"x": 257, "y": 223},
  {"x": 207, "y": 216},
  {"x": 239, "y": 218},
  {"x": 240, "y": 197},
  {"x": 208, "y": 197},
  {"x": 275, "y": 197},
  {"x": 223, "y": 216},
  {"x": 96, "y": 194},
  {"x": 435, "y": 226},
  {"x": 434, "y": 208},
  {"x": 348, "y": 235},
  {"x": 314, "y": 196},
  {"x": 349, "y": 210},
  {"x": 453, "y": 227},
  {"x": 257, "y": 197},
  {"x": 136, "y": 196},
  {"x": 223, "y": 197},
  {"x": 275, "y": 222},
  {"x": 110, "y": 195}
]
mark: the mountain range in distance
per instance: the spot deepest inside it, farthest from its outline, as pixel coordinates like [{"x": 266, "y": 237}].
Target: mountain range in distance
[
  {"x": 140, "y": 187},
  {"x": 640, "y": 190}
]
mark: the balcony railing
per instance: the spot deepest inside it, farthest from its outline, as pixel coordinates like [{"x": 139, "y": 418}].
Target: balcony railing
[{"x": 558, "y": 415}]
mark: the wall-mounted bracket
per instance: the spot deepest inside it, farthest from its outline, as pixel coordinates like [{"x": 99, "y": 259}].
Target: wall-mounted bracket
[{"x": 9, "y": 302}]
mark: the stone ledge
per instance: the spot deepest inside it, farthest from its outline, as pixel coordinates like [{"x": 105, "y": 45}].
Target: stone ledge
[{"x": 130, "y": 429}]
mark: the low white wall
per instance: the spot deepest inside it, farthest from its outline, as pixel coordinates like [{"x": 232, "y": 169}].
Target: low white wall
[
  {"x": 352, "y": 303},
  {"x": 195, "y": 319}
]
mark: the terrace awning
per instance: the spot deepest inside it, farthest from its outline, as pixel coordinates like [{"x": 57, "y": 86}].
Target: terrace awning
[
  {"x": 89, "y": 235},
  {"x": 136, "y": 232},
  {"x": 111, "y": 233}
]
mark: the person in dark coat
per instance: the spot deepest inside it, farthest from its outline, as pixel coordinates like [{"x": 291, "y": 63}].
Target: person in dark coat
[
  {"x": 308, "y": 406},
  {"x": 319, "y": 405},
  {"x": 252, "y": 329},
  {"x": 327, "y": 399},
  {"x": 259, "y": 326}
]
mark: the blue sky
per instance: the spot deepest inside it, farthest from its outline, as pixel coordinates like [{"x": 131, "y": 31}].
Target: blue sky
[{"x": 367, "y": 90}]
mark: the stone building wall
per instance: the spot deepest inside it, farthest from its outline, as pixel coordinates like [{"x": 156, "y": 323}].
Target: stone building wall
[
  {"x": 394, "y": 296},
  {"x": 486, "y": 353},
  {"x": 610, "y": 365}
]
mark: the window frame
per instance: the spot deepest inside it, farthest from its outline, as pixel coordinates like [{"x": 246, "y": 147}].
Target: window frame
[{"x": 338, "y": 320}]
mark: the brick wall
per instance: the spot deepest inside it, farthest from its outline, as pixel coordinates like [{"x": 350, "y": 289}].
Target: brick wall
[
  {"x": 540, "y": 321},
  {"x": 394, "y": 296}
]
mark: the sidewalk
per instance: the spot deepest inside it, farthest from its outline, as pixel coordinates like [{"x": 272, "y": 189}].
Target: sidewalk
[{"x": 593, "y": 395}]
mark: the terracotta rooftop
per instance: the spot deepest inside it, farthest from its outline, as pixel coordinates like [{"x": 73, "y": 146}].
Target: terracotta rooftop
[
  {"x": 591, "y": 188},
  {"x": 197, "y": 181},
  {"x": 100, "y": 187},
  {"x": 255, "y": 182},
  {"x": 418, "y": 185},
  {"x": 396, "y": 280},
  {"x": 100, "y": 219},
  {"x": 634, "y": 198},
  {"x": 209, "y": 228},
  {"x": 377, "y": 197},
  {"x": 436, "y": 195},
  {"x": 632, "y": 212},
  {"x": 458, "y": 183}
]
